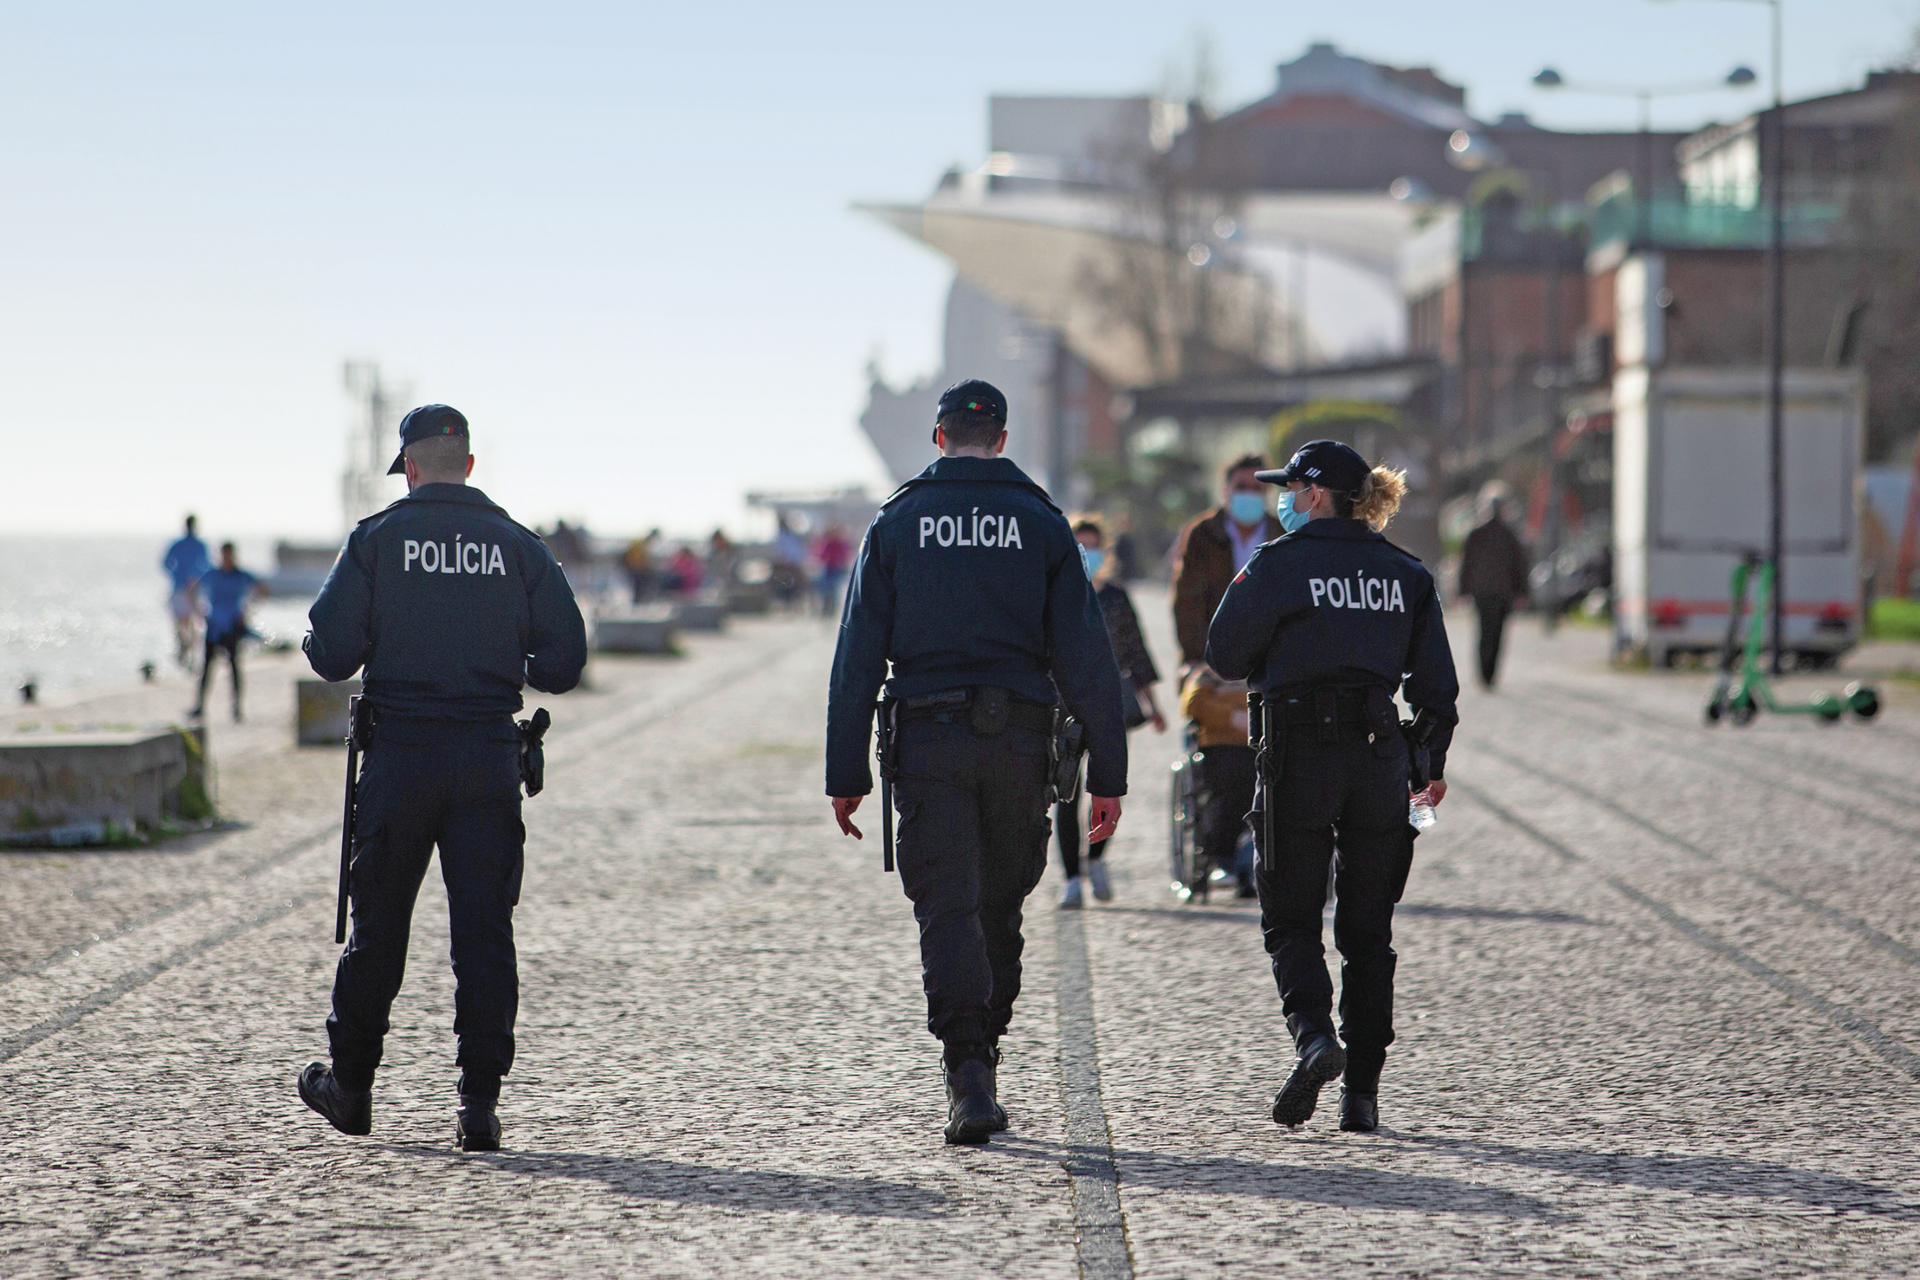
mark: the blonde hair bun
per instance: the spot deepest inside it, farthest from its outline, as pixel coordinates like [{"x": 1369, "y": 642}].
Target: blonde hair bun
[{"x": 1379, "y": 496}]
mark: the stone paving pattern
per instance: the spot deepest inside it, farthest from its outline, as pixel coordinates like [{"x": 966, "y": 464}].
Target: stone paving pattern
[{"x": 1656, "y": 1010}]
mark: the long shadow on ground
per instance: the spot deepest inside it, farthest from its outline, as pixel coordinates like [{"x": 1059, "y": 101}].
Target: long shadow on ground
[
  {"x": 700, "y": 1184},
  {"x": 1346, "y": 1188}
]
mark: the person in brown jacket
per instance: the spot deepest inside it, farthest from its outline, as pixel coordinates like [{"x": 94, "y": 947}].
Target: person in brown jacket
[
  {"x": 1218, "y": 709},
  {"x": 1215, "y": 546},
  {"x": 1493, "y": 570}
]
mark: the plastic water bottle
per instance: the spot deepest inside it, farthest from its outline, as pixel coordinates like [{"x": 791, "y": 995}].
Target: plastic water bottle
[{"x": 1420, "y": 814}]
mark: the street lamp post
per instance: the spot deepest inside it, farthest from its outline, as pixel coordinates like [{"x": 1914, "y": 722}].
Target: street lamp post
[
  {"x": 1776, "y": 343},
  {"x": 1738, "y": 78}
]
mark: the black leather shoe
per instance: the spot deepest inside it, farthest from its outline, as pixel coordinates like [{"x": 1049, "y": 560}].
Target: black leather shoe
[
  {"x": 1358, "y": 1112},
  {"x": 477, "y": 1128},
  {"x": 972, "y": 1112},
  {"x": 1321, "y": 1059},
  {"x": 345, "y": 1110}
]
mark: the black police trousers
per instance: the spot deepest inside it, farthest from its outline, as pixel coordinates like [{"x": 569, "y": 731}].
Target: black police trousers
[
  {"x": 972, "y": 845},
  {"x": 1340, "y": 796},
  {"x": 455, "y": 785}
]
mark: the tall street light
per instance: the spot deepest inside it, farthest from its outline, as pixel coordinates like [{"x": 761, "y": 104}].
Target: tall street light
[
  {"x": 1738, "y": 78},
  {"x": 1776, "y": 343}
]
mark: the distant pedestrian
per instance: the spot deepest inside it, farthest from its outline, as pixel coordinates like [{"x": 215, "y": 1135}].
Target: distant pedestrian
[
  {"x": 227, "y": 590},
  {"x": 1137, "y": 678},
  {"x": 1493, "y": 570},
  {"x": 834, "y": 551},
  {"x": 642, "y": 577},
  {"x": 685, "y": 573},
  {"x": 186, "y": 562},
  {"x": 1213, "y": 548},
  {"x": 788, "y": 578},
  {"x": 723, "y": 559}
]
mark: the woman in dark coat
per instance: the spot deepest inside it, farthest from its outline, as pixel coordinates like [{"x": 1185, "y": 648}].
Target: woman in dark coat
[{"x": 1139, "y": 676}]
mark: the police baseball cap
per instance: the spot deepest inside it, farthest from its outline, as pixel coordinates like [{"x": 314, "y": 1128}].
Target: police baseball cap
[
  {"x": 973, "y": 396},
  {"x": 427, "y": 420},
  {"x": 1327, "y": 463}
]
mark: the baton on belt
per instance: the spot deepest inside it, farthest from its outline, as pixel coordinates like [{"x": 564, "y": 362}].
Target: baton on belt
[
  {"x": 346, "y": 821},
  {"x": 884, "y": 757}
]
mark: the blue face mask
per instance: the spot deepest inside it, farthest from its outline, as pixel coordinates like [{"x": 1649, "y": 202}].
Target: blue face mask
[
  {"x": 1094, "y": 558},
  {"x": 1247, "y": 508},
  {"x": 1290, "y": 520}
]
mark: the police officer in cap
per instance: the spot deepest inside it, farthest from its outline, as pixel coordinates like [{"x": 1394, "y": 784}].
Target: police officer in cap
[
  {"x": 452, "y": 608},
  {"x": 1326, "y": 622},
  {"x": 972, "y": 585}
]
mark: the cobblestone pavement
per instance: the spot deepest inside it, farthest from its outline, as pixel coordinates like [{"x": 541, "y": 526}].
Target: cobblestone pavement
[{"x": 1657, "y": 1017}]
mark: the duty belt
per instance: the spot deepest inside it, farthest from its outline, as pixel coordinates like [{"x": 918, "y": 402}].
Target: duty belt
[
  {"x": 964, "y": 706},
  {"x": 1336, "y": 712}
]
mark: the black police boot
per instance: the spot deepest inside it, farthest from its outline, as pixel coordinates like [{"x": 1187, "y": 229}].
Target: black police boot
[
  {"x": 348, "y": 1111},
  {"x": 476, "y": 1128},
  {"x": 973, "y": 1113},
  {"x": 1321, "y": 1059},
  {"x": 1359, "y": 1112}
]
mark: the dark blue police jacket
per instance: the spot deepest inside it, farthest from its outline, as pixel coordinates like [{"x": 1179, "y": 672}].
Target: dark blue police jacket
[
  {"x": 1336, "y": 603},
  {"x": 969, "y": 575},
  {"x": 450, "y": 606}
]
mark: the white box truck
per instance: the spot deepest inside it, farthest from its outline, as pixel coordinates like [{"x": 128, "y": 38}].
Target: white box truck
[{"x": 1691, "y": 495}]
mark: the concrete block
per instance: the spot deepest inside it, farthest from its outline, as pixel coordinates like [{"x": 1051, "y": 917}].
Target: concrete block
[
  {"x": 636, "y": 633},
  {"x": 99, "y": 787},
  {"x": 320, "y": 711},
  {"x": 700, "y": 615},
  {"x": 749, "y": 597}
]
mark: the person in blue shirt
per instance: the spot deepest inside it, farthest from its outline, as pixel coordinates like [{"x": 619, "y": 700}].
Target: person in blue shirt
[
  {"x": 970, "y": 586},
  {"x": 227, "y": 590},
  {"x": 185, "y": 562},
  {"x": 1328, "y": 623}
]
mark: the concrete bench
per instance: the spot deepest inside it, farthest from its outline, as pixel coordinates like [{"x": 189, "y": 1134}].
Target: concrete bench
[
  {"x": 320, "y": 711},
  {"x": 100, "y": 787},
  {"x": 641, "y": 632},
  {"x": 700, "y": 615}
]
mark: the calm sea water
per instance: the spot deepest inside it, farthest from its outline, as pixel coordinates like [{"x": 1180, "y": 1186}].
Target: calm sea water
[{"x": 81, "y": 613}]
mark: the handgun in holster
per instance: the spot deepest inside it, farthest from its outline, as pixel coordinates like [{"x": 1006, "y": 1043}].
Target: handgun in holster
[
  {"x": 1066, "y": 748},
  {"x": 886, "y": 755},
  {"x": 533, "y": 754},
  {"x": 1266, "y": 733}
]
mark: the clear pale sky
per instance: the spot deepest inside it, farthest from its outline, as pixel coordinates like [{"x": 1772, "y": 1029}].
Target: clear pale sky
[{"x": 616, "y": 235}]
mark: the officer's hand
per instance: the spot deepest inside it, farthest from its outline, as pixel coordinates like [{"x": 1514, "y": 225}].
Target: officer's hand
[
  {"x": 1436, "y": 792},
  {"x": 1103, "y": 815},
  {"x": 843, "y": 807}
]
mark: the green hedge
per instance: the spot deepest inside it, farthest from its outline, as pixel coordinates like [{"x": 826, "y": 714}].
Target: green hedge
[{"x": 1894, "y": 620}]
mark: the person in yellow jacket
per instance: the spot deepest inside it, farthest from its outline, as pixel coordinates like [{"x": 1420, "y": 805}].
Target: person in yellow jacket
[{"x": 1218, "y": 710}]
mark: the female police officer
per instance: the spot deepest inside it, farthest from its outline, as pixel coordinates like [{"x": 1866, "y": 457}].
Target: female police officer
[{"x": 1325, "y": 622}]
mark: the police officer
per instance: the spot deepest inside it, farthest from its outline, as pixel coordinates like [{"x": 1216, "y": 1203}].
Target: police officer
[
  {"x": 1325, "y": 622},
  {"x": 452, "y": 608},
  {"x": 971, "y": 584}
]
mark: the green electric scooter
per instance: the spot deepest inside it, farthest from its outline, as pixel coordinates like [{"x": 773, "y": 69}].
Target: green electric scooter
[{"x": 1740, "y": 699}]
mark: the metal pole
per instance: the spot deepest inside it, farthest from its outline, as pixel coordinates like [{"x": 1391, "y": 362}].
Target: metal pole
[
  {"x": 1776, "y": 356},
  {"x": 1551, "y": 525},
  {"x": 1645, "y": 230}
]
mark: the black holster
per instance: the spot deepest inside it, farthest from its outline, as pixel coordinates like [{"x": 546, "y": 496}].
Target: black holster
[
  {"x": 533, "y": 755},
  {"x": 1066, "y": 747},
  {"x": 1417, "y": 732}
]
